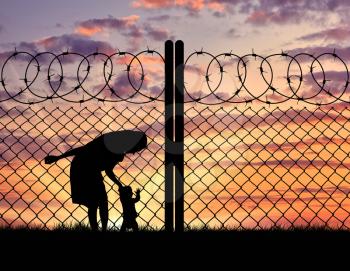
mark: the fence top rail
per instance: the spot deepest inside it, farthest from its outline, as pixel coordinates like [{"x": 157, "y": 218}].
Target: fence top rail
[{"x": 224, "y": 78}]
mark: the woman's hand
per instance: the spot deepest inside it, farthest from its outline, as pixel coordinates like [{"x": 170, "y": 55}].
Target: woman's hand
[
  {"x": 110, "y": 174},
  {"x": 51, "y": 159}
]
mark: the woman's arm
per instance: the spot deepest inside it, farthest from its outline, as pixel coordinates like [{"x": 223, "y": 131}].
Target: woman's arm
[
  {"x": 110, "y": 174},
  {"x": 53, "y": 158}
]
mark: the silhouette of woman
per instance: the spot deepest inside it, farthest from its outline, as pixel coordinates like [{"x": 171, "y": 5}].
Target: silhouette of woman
[{"x": 100, "y": 154}]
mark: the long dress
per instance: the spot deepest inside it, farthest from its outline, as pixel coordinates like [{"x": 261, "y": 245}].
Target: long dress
[{"x": 104, "y": 152}]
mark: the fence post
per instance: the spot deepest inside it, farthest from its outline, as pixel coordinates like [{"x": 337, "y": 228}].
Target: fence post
[
  {"x": 169, "y": 135},
  {"x": 179, "y": 136}
]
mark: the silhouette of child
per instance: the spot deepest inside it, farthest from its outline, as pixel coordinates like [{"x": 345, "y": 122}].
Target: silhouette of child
[{"x": 128, "y": 204}]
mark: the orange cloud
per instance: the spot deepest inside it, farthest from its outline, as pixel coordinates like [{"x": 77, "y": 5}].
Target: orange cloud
[
  {"x": 92, "y": 27},
  {"x": 88, "y": 31},
  {"x": 192, "y": 5},
  {"x": 130, "y": 20},
  {"x": 216, "y": 6},
  {"x": 152, "y": 4}
]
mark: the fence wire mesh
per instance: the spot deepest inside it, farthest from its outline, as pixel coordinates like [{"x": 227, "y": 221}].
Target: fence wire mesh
[
  {"x": 263, "y": 167},
  {"x": 33, "y": 193}
]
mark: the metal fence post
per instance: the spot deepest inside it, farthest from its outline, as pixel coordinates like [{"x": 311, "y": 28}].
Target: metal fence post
[
  {"x": 179, "y": 136},
  {"x": 169, "y": 135}
]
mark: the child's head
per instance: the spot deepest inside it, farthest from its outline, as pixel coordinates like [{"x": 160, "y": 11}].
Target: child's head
[{"x": 128, "y": 191}]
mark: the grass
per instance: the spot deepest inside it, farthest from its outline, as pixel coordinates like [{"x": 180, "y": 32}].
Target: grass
[
  {"x": 80, "y": 227},
  {"x": 314, "y": 228},
  {"x": 84, "y": 230},
  {"x": 226, "y": 243}
]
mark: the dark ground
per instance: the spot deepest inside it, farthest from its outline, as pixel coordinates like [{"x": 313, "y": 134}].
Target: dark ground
[
  {"x": 196, "y": 250},
  {"x": 230, "y": 243}
]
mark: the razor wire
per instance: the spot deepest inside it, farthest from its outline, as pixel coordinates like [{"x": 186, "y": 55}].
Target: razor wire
[
  {"x": 294, "y": 77},
  {"x": 82, "y": 75},
  {"x": 290, "y": 77}
]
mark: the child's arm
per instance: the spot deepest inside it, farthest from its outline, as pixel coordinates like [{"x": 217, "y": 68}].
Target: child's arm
[
  {"x": 137, "y": 198},
  {"x": 110, "y": 174},
  {"x": 53, "y": 158}
]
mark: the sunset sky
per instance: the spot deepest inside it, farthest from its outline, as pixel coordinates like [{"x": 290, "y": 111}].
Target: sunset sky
[{"x": 217, "y": 26}]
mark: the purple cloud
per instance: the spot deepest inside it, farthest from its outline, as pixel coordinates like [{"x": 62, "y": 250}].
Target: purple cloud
[
  {"x": 258, "y": 12},
  {"x": 128, "y": 27},
  {"x": 93, "y": 26},
  {"x": 159, "y": 18},
  {"x": 343, "y": 52},
  {"x": 158, "y": 34},
  {"x": 121, "y": 86},
  {"x": 333, "y": 34},
  {"x": 335, "y": 80},
  {"x": 76, "y": 43},
  {"x": 283, "y": 16},
  {"x": 232, "y": 33}
]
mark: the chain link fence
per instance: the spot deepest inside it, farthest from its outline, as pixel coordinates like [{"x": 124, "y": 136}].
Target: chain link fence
[
  {"x": 245, "y": 167},
  {"x": 262, "y": 167},
  {"x": 33, "y": 193}
]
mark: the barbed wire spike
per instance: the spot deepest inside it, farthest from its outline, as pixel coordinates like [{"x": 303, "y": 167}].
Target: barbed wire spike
[
  {"x": 254, "y": 54},
  {"x": 247, "y": 102},
  {"x": 110, "y": 75},
  {"x": 288, "y": 80},
  {"x": 284, "y": 54},
  {"x": 64, "y": 53},
  {"x": 25, "y": 80},
  {"x": 142, "y": 78},
  {"x": 88, "y": 68},
  {"x": 325, "y": 81},
  {"x": 262, "y": 70},
  {"x": 312, "y": 68},
  {"x": 14, "y": 55},
  {"x": 199, "y": 52},
  {"x": 49, "y": 98},
  {"x": 95, "y": 53},
  {"x": 228, "y": 54},
  {"x": 207, "y": 77},
  {"x": 334, "y": 54},
  {"x": 3, "y": 82},
  {"x": 150, "y": 51},
  {"x": 49, "y": 77},
  {"x": 112, "y": 91},
  {"x": 82, "y": 101}
]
